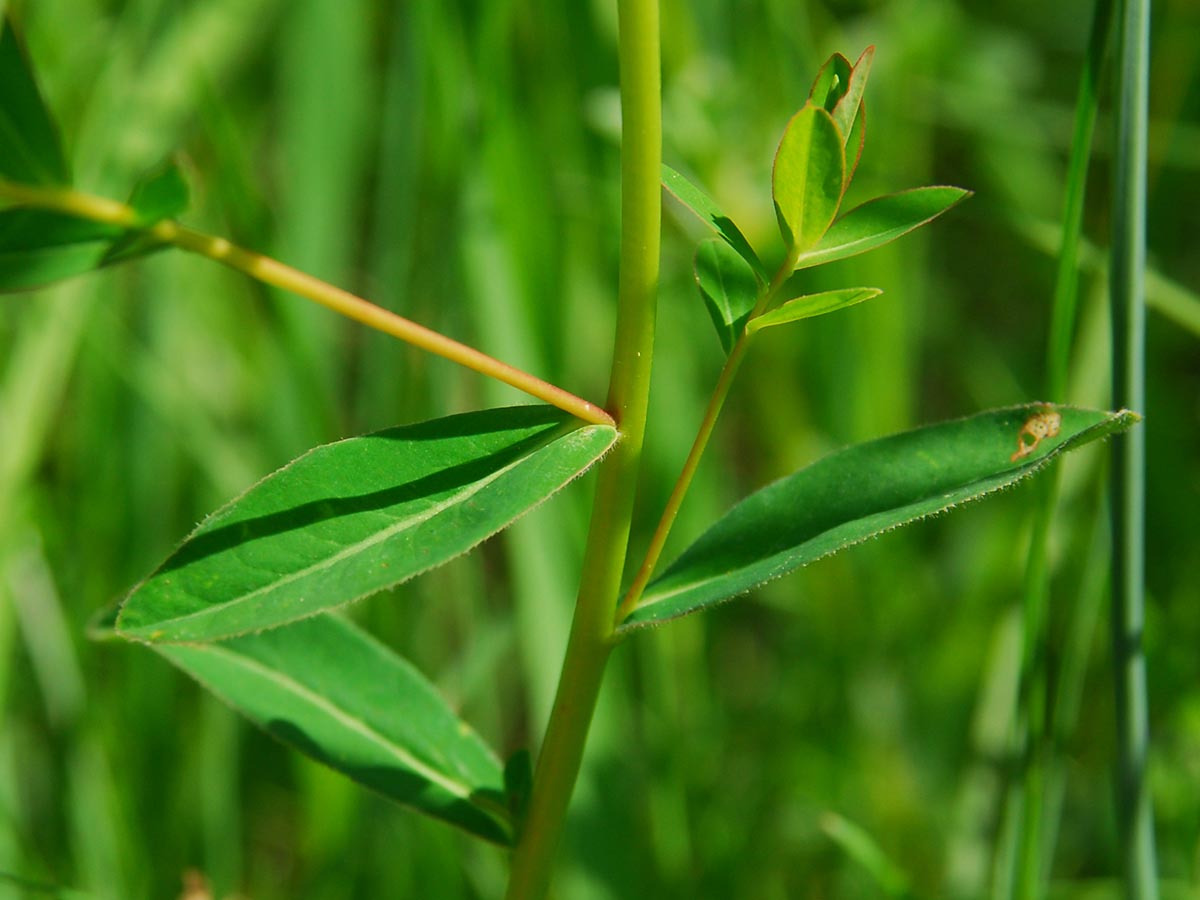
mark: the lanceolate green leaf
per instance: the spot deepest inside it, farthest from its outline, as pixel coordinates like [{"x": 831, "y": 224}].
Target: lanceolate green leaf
[
  {"x": 810, "y": 305},
  {"x": 352, "y": 518},
  {"x": 707, "y": 211},
  {"x": 880, "y": 221},
  {"x": 728, "y": 287},
  {"x": 336, "y": 694},
  {"x": 808, "y": 177},
  {"x": 30, "y": 152},
  {"x": 858, "y": 493}
]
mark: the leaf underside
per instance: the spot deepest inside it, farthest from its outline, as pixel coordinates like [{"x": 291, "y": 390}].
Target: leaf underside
[
  {"x": 856, "y": 494},
  {"x": 729, "y": 289},
  {"x": 706, "y": 210},
  {"x": 351, "y": 518},
  {"x": 331, "y": 691}
]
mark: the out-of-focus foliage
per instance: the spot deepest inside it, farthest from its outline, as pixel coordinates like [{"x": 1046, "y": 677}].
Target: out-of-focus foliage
[{"x": 456, "y": 161}]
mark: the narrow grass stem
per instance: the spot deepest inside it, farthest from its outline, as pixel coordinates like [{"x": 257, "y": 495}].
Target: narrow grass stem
[
  {"x": 271, "y": 271},
  {"x": 1035, "y": 741},
  {"x": 590, "y": 641},
  {"x": 1135, "y": 814}
]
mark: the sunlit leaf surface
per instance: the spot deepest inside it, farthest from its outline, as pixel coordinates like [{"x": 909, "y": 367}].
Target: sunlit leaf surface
[{"x": 351, "y": 518}]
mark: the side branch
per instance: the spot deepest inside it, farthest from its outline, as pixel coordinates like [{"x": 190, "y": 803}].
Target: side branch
[{"x": 271, "y": 271}]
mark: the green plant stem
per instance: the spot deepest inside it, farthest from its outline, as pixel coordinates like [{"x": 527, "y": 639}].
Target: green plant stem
[
  {"x": 591, "y": 636},
  {"x": 658, "y": 540},
  {"x": 716, "y": 402},
  {"x": 1031, "y": 858},
  {"x": 1136, "y": 821},
  {"x": 272, "y": 272}
]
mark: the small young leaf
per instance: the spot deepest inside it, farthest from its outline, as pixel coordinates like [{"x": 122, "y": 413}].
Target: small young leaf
[
  {"x": 859, "y": 493},
  {"x": 334, "y": 693},
  {"x": 808, "y": 177},
  {"x": 728, "y": 287},
  {"x": 880, "y": 221},
  {"x": 348, "y": 519},
  {"x": 831, "y": 82},
  {"x": 30, "y": 152},
  {"x": 810, "y": 305},
  {"x": 162, "y": 194},
  {"x": 707, "y": 211}
]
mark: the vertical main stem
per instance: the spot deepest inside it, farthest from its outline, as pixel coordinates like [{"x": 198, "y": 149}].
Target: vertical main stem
[
  {"x": 629, "y": 387},
  {"x": 1129, "y": 452}
]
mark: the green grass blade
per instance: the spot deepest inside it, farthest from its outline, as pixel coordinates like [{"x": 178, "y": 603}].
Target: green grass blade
[
  {"x": 707, "y": 211},
  {"x": 810, "y": 305},
  {"x": 30, "y": 152},
  {"x": 31, "y": 889},
  {"x": 1034, "y": 743},
  {"x": 729, "y": 289},
  {"x": 351, "y": 518},
  {"x": 331, "y": 691},
  {"x": 859, "y": 493},
  {"x": 880, "y": 221},
  {"x": 1135, "y": 813},
  {"x": 860, "y": 846},
  {"x": 808, "y": 177}
]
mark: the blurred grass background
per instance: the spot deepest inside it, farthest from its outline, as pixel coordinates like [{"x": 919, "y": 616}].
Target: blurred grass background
[{"x": 457, "y": 161}]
